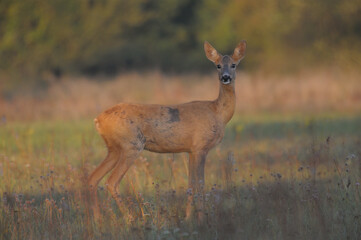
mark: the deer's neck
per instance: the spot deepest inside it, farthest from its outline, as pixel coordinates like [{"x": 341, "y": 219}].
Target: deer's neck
[{"x": 226, "y": 102}]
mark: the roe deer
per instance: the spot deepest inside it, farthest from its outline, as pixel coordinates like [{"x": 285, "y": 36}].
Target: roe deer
[{"x": 194, "y": 127}]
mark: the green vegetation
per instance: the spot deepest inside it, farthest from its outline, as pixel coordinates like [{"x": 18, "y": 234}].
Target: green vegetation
[
  {"x": 289, "y": 177},
  {"x": 65, "y": 36},
  {"x": 289, "y": 166}
]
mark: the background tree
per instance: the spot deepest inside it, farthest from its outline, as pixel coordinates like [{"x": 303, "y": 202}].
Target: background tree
[{"x": 107, "y": 37}]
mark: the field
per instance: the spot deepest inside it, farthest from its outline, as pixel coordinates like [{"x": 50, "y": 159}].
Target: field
[{"x": 289, "y": 168}]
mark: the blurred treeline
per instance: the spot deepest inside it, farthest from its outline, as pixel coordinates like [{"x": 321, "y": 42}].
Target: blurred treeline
[{"x": 111, "y": 36}]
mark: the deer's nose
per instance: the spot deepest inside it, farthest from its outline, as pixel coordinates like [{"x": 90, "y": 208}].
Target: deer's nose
[{"x": 226, "y": 77}]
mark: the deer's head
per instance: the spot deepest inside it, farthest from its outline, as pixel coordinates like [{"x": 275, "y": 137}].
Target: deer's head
[{"x": 226, "y": 65}]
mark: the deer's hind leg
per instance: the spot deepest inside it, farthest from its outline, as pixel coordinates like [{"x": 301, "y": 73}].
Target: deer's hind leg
[
  {"x": 129, "y": 154},
  {"x": 96, "y": 176}
]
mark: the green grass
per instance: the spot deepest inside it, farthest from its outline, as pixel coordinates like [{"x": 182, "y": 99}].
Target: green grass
[{"x": 290, "y": 177}]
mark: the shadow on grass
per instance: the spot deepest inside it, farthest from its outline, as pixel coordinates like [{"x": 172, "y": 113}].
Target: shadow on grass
[
  {"x": 321, "y": 127},
  {"x": 276, "y": 209}
]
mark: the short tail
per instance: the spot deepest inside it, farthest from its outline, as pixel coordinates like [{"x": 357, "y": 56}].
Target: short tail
[{"x": 96, "y": 122}]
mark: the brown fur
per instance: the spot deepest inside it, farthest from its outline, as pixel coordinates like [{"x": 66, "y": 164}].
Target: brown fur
[{"x": 194, "y": 127}]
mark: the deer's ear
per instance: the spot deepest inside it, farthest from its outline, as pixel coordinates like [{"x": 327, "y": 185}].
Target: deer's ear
[
  {"x": 211, "y": 52},
  {"x": 240, "y": 51}
]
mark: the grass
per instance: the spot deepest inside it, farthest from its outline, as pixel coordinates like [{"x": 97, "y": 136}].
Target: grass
[
  {"x": 273, "y": 177},
  {"x": 325, "y": 90}
]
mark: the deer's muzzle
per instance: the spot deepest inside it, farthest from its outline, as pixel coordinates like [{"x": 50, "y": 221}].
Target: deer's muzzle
[{"x": 226, "y": 79}]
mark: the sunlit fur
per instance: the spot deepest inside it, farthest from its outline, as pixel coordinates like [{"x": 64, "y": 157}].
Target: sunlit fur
[{"x": 194, "y": 127}]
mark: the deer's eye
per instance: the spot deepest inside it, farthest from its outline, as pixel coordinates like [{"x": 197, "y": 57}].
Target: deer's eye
[
  {"x": 233, "y": 65},
  {"x": 219, "y": 66}
]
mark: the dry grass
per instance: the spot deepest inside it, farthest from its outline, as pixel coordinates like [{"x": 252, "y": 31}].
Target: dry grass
[
  {"x": 273, "y": 177},
  {"x": 285, "y": 180},
  {"x": 76, "y": 98}
]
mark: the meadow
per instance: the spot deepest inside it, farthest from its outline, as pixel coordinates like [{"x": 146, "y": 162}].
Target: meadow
[{"x": 289, "y": 166}]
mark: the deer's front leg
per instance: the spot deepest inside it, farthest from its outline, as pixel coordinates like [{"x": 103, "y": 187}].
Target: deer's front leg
[{"x": 195, "y": 202}]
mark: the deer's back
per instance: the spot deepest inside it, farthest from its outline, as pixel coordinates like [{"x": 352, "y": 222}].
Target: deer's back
[{"x": 163, "y": 128}]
